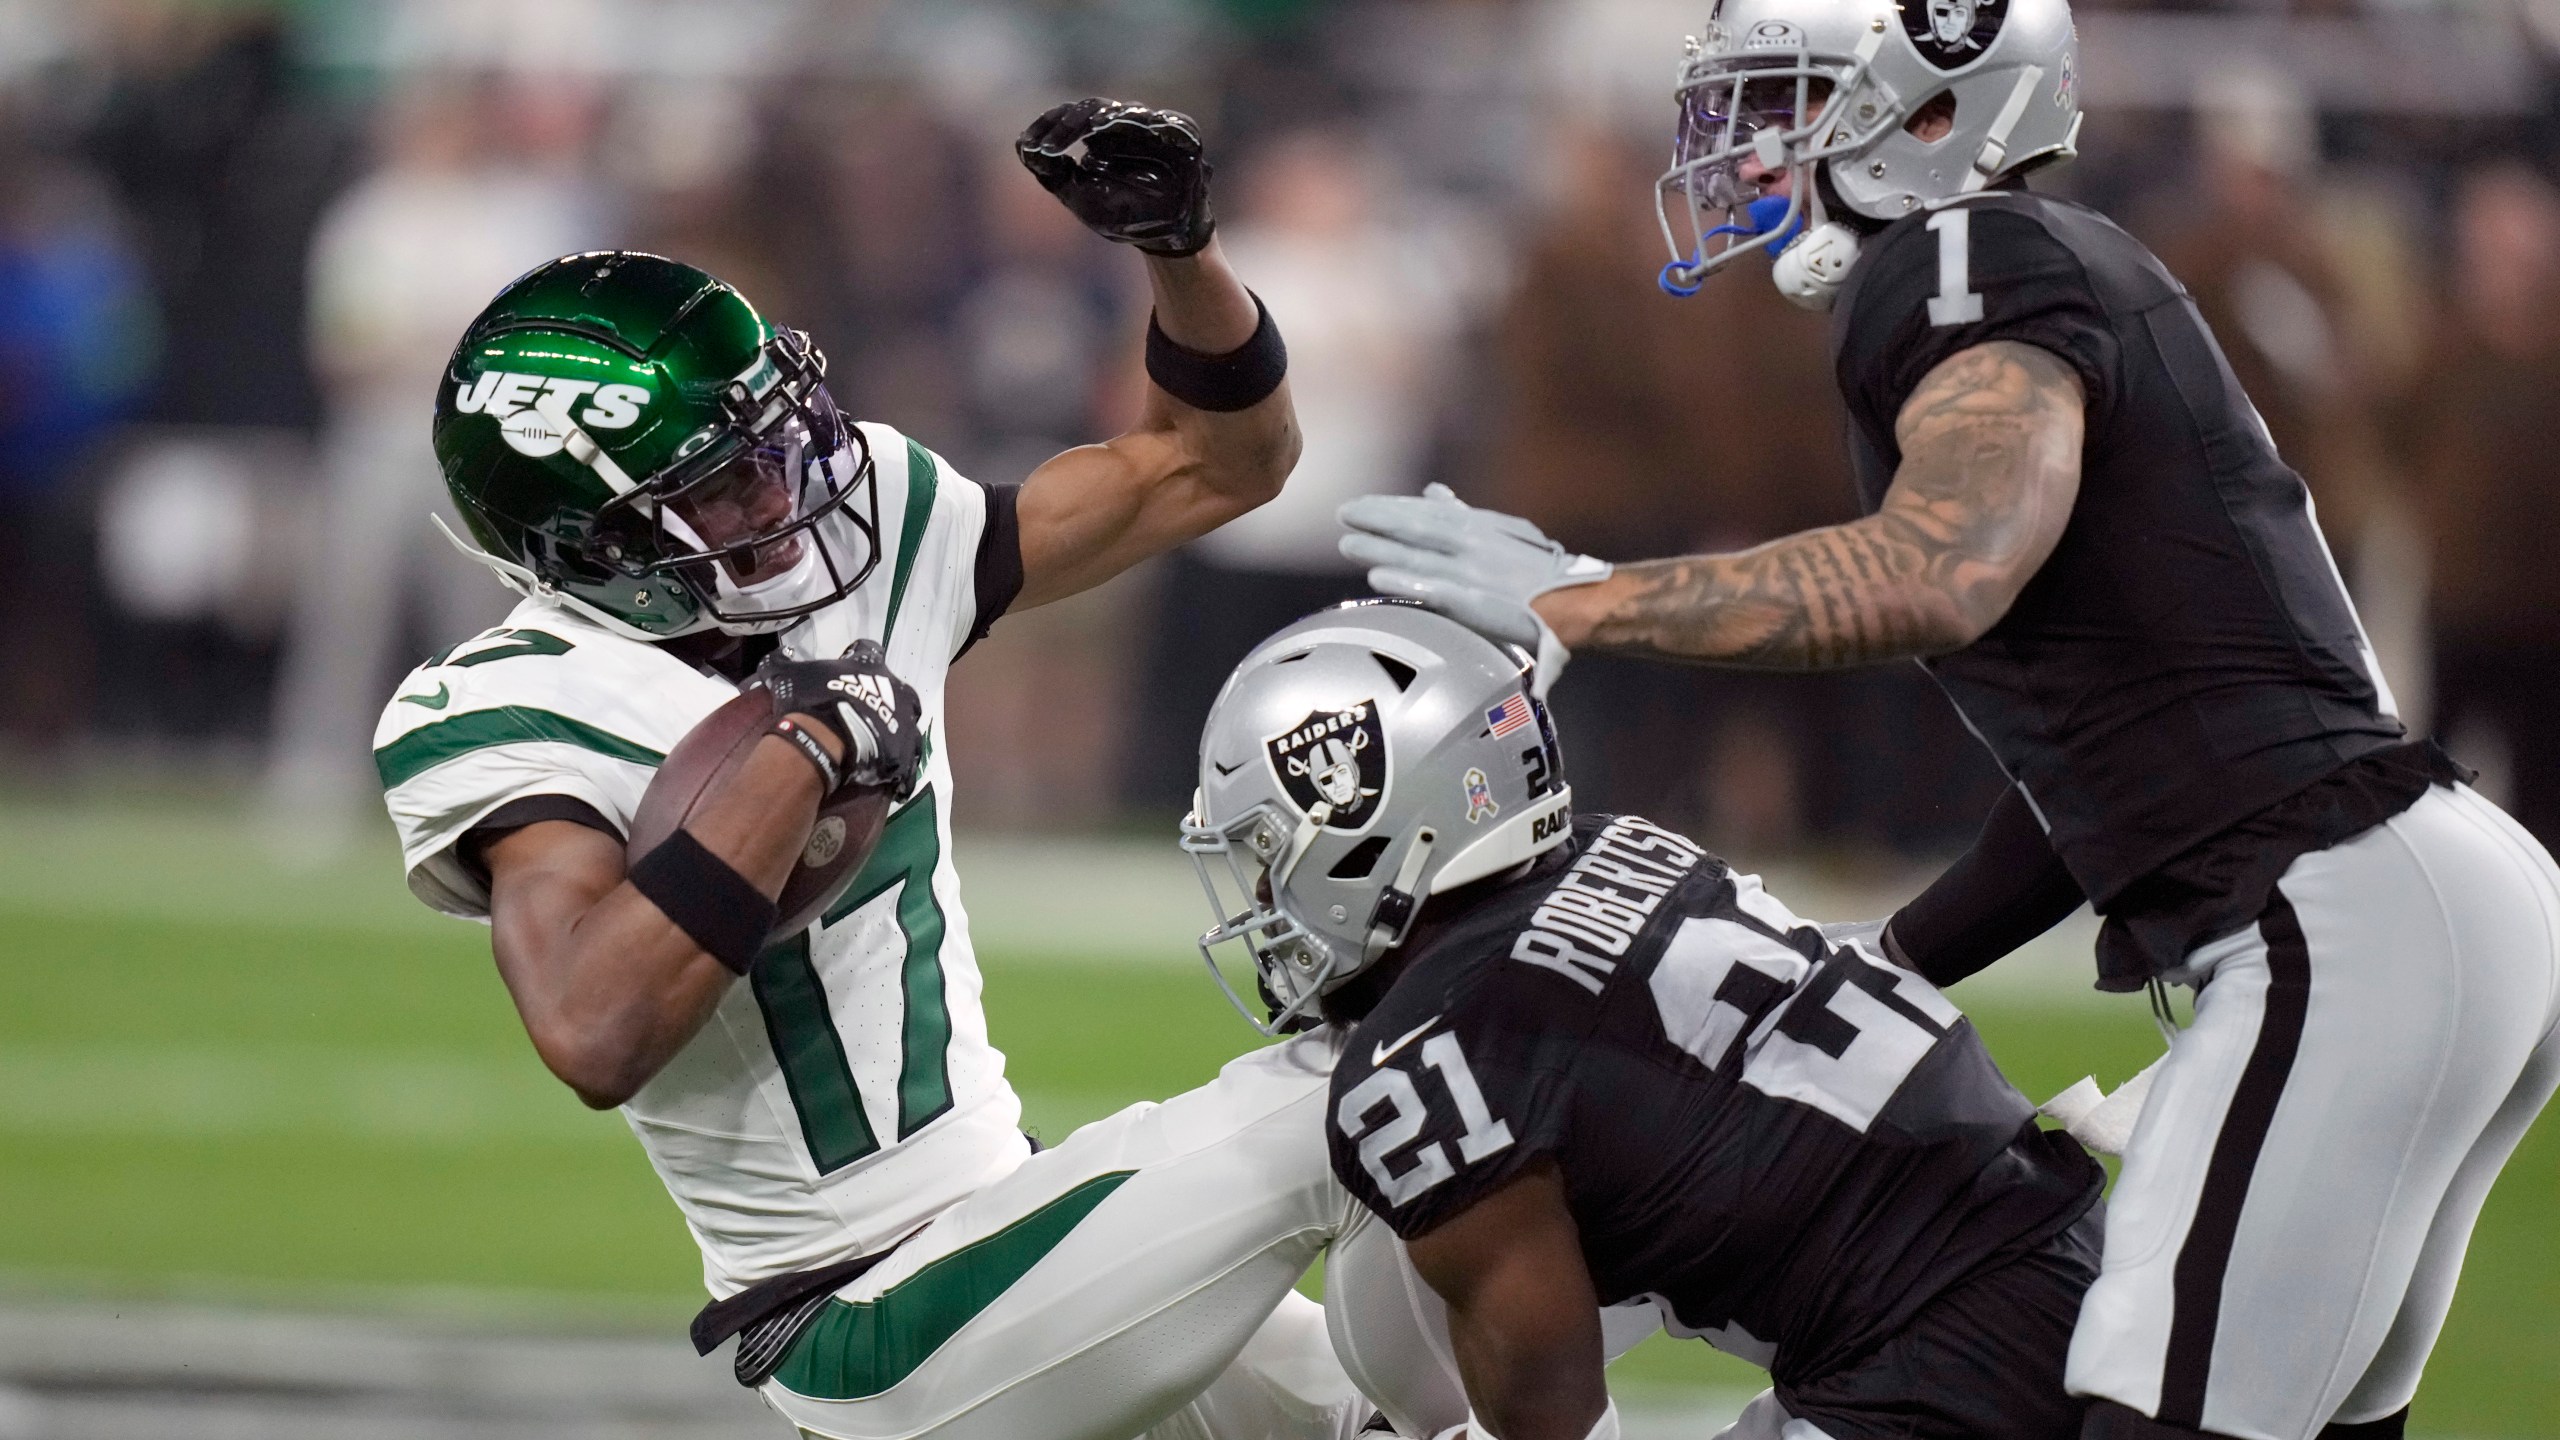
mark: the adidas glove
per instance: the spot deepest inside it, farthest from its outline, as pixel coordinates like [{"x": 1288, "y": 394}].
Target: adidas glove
[{"x": 875, "y": 714}]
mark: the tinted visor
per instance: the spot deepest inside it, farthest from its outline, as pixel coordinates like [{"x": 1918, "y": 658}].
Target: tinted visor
[
  {"x": 1730, "y": 110},
  {"x": 787, "y": 524}
]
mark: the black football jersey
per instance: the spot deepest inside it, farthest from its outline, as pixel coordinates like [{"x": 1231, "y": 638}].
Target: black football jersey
[
  {"x": 2188, "y": 656},
  {"x": 1793, "y": 1147}
]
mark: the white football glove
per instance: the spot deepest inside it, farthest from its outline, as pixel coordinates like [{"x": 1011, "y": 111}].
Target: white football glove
[
  {"x": 1867, "y": 935},
  {"x": 1479, "y": 567}
]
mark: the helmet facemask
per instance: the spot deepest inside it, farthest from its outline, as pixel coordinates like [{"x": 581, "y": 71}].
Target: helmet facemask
[
  {"x": 1789, "y": 109},
  {"x": 1244, "y": 867},
  {"x": 754, "y": 525}
]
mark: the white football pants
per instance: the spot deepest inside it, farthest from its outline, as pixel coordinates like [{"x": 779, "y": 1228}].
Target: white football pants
[
  {"x": 1165, "y": 1308},
  {"x": 2296, "y": 1199}
]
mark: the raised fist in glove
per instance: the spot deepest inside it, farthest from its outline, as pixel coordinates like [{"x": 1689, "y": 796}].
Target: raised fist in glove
[
  {"x": 1140, "y": 181},
  {"x": 1480, "y": 568},
  {"x": 875, "y": 714}
]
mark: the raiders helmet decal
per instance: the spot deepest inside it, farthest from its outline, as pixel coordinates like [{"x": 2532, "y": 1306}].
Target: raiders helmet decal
[
  {"x": 1952, "y": 34},
  {"x": 1337, "y": 759}
]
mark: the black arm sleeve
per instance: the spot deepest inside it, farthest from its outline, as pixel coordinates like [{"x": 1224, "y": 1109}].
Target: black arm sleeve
[
  {"x": 2005, "y": 891},
  {"x": 999, "y": 567}
]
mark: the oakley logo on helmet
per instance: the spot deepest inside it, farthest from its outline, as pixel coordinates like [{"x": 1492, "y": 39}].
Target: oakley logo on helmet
[
  {"x": 532, "y": 411},
  {"x": 1335, "y": 759},
  {"x": 1951, "y": 34}
]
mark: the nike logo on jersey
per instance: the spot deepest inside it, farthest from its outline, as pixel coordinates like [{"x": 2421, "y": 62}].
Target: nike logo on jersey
[
  {"x": 441, "y": 697},
  {"x": 1382, "y": 1054}
]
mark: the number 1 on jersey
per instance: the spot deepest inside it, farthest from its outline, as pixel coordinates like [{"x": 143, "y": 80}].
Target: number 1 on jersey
[
  {"x": 1957, "y": 302},
  {"x": 1484, "y": 1135}
]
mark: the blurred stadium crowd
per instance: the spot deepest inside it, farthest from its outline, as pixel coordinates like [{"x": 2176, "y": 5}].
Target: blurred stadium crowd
[{"x": 238, "y": 237}]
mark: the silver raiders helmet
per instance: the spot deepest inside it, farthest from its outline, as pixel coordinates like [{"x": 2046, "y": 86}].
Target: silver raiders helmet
[
  {"x": 1829, "y": 85},
  {"x": 1358, "y": 762}
]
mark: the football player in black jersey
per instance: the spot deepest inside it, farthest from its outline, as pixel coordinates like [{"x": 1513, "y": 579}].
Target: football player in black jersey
[
  {"x": 1586, "y": 1063},
  {"x": 2078, "y": 524}
]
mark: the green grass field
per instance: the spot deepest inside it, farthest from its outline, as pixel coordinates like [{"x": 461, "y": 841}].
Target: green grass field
[{"x": 275, "y": 1088}]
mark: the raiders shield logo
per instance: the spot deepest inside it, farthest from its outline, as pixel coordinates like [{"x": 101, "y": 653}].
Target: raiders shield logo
[
  {"x": 1952, "y": 34},
  {"x": 1336, "y": 759}
]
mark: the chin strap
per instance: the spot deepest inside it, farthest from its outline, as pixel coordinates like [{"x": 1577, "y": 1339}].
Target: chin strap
[
  {"x": 1993, "y": 157},
  {"x": 516, "y": 577},
  {"x": 1811, "y": 272},
  {"x": 533, "y": 587},
  {"x": 1401, "y": 901}
]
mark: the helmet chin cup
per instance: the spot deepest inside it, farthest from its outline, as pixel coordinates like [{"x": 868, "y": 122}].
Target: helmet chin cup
[{"x": 1811, "y": 271}]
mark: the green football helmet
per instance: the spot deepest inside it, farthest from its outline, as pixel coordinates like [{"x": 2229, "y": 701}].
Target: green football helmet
[{"x": 625, "y": 435}]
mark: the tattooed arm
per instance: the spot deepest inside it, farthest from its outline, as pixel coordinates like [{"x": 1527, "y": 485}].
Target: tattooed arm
[{"x": 1990, "y": 467}]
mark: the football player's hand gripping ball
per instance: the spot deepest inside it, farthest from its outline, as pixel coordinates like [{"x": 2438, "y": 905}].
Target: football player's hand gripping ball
[
  {"x": 1140, "y": 181},
  {"x": 1480, "y": 568},
  {"x": 875, "y": 714}
]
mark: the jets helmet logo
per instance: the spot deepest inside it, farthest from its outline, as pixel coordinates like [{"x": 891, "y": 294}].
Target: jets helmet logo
[
  {"x": 1334, "y": 762},
  {"x": 1951, "y": 34},
  {"x": 533, "y": 411}
]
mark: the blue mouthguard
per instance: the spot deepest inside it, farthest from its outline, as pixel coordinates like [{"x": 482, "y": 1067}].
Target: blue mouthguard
[{"x": 1763, "y": 216}]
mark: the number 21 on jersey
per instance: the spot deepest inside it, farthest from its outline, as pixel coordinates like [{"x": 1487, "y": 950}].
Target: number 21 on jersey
[{"x": 1393, "y": 1091}]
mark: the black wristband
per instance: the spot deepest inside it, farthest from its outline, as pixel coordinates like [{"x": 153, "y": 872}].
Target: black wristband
[
  {"x": 829, "y": 775},
  {"x": 710, "y": 902},
  {"x": 1241, "y": 378}
]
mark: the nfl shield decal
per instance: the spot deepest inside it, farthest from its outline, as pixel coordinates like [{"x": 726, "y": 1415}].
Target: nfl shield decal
[
  {"x": 1952, "y": 34},
  {"x": 1336, "y": 760}
]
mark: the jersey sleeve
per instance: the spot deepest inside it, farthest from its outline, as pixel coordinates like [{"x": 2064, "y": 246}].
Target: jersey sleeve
[
  {"x": 1968, "y": 275},
  {"x": 1433, "y": 1111},
  {"x": 521, "y": 712},
  {"x": 956, "y": 561}
]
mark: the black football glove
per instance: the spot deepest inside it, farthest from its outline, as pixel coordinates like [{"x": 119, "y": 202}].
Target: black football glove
[
  {"x": 875, "y": 714},
  {"x": 1142, "y": 180}
]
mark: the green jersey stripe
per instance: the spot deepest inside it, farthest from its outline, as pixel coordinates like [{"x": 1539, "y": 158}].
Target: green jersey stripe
[
  {"x": 859, "y": 1348},
  {"x": 910, "y": 850},
  {"x": 923, "y": 478},
  {"x": 811, "y": 1053},
  {"x": 428, "y": 746}
]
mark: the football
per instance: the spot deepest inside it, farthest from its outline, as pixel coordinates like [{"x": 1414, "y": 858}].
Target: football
[{"x": 847, "y": 829}]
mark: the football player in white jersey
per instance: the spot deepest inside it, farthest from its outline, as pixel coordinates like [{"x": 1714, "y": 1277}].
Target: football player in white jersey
[{"x": 665, "y": 478}]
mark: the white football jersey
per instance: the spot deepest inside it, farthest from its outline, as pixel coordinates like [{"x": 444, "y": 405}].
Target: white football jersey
[{"x": 847, "y": 1093}]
